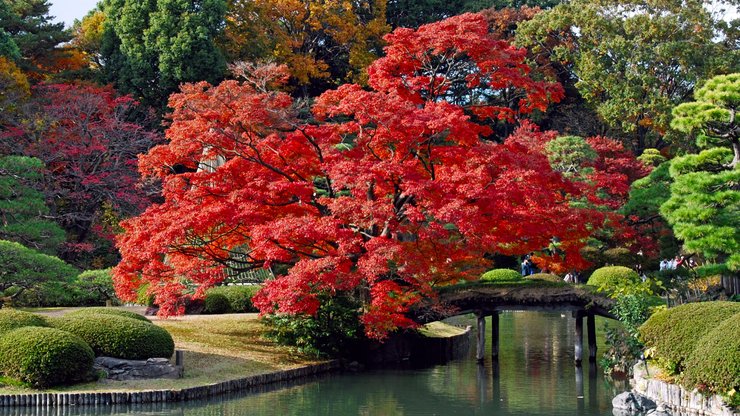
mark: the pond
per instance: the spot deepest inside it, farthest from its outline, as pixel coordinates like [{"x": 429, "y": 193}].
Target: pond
[{"x": 535, "y": 375}]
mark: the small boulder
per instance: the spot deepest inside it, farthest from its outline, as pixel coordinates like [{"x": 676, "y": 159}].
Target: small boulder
[{"x": 118, "y": 369}]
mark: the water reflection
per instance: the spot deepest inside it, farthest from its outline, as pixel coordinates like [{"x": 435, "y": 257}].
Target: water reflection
[{"x": 534, "y": 375}]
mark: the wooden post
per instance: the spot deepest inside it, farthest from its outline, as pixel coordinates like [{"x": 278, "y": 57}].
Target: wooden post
[
  {"x": 481, "y": 347},
  {"x": 179, "y": 358},
  {"x": 591, "y": 327},
  {"x": 579, "y": 337},
  {"x": 494, "y": 335}
]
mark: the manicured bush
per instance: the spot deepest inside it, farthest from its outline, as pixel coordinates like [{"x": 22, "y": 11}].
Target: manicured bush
[
  {"x": 501, "y": 275},
  {"x": 11, "y": 319},
  {"x": 714, "y": 364},
  {"x": 620, "y": 256},
  {"x": 216, "y": 303},
  {"x": 239, "y": 296},
  {"x": 611, "y": 277},
  {"x": 44, "y": 357},
  {"x": 101, "y": 310},
  {"x": 118, "y": 336},
  {"x": 545, "y": 277},
  {"x": 672, "y": 334}
]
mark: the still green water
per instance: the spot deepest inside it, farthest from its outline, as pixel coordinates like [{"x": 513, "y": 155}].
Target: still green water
[{"x": 535, "y": 375}]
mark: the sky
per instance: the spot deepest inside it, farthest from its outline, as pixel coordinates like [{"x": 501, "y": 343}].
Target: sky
[{"x": 68, "y": 10}]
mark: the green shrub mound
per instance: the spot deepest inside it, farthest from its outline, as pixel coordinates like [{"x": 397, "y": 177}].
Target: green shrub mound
[
  {"x": 619, "y": 256},
  {"x": 501, "y": 275},
  {"x": 101, "y": 310},
  {"x": 216, "y": 303},
  {"x": 714, "y": 364},
  {"x": 239, "y": 296},
  {"x": 610, "y": 277},
  {"x": 673, "y": 333},
  {"x": 118, "y": 336},
  {"x": 545, "y": 277},
  {"x": 11, "y": 319},
  {"x": 44, "y": 357}
]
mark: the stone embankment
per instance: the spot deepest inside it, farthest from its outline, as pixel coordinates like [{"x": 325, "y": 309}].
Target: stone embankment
[
  {"x": 156, "y": 396},
  {"x": 658, "y": 397}
]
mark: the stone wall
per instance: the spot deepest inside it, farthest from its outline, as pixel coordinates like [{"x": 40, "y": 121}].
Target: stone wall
[{"x": 674, "y": 398}]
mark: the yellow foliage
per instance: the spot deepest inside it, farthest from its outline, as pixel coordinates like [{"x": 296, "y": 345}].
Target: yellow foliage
[{"x": 313, "y": 38}]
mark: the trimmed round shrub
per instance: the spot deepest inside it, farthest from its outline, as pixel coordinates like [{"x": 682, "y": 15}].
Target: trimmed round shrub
[
  {"x": 714, "y": 364},
  {"x": 118, "y": 336},
  {"x": 101, "y": 310},
  {"x": 545, "y": 277},
  {"x": 44, "y": 357},
  {"x": 239, "y": 296},
  {"x": 11, "y": 319},
  {"x": 674, "y": 333},
  {"x": 501, "y": 275},
  {"x": 216, "y": 303},
  {"x": 619, "y": 256},
  {"x": 610, "y": 277}
]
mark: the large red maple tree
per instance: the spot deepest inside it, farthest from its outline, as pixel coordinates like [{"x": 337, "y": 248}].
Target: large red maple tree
[{"x": 384, "y": 193}]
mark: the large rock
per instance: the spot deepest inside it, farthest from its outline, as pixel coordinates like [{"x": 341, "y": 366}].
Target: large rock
[
  {"x": 118, "y": 369},
  {"x": 630, "y": 403}
]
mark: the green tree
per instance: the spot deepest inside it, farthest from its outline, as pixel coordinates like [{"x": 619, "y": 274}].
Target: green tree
[
  {"x": 150, "y": 47},
  {"x": 414, "y": 13},
  {"x": 25, "y": 269},
  {"x": 8, "y": 48},
  {"x": 24, "y": 216},
  {"x": 634, "y": 60},
  {"x": 28, "y": 24},
  {"x": 704, "y": 207}
]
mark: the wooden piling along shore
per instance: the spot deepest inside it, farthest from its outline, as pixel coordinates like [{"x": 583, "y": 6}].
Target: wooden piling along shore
[{"x": 160, "y": 396}]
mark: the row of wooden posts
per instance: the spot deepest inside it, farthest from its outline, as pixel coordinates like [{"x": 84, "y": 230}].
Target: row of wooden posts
[{"x": 577, "y": 314}]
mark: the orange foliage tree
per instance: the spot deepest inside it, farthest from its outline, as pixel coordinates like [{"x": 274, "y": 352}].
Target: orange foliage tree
[{"x": 321, "y": 42}]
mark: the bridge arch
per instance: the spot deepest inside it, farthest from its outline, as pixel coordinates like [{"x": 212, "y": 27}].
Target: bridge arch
[{"x": 490, "y": 300}]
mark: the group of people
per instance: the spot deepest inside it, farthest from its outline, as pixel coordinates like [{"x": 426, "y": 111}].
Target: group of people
[{"x": 676, "y": 262}]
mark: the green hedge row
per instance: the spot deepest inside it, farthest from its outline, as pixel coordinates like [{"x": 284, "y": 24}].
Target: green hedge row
[
  {"x": 698, "y": 342},
  {"x": 230, "y": 299}
]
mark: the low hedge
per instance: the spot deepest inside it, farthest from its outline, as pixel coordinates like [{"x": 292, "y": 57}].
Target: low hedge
[
  {"x": 673, "y": 333},
  {"x": 118, "y": 336},
  {"x": 44, "y": 357},
  {"x": 545, "y": 277},
  {"x": 11, "y": 319},
  {"x": 102, "y": 310},
  {"x": 501, "y": 275},
  {"x": 610, "y": 277},
  {"x": 714, "y": 364},
  {"x": 239, "y": 297}
]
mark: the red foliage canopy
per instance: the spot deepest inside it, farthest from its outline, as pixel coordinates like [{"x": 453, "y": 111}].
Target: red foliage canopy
[{"x": 386, "y": 193}]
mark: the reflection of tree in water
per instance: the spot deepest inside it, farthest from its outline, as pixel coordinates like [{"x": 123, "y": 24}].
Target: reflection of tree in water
[{"x": 535, "y": 376}]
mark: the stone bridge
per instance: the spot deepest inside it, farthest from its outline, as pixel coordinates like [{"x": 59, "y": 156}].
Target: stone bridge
[{"x": 490, "y": 300}]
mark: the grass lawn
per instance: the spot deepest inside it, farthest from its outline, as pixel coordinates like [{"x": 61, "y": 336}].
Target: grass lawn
[{"x": 217, "y": 348}]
